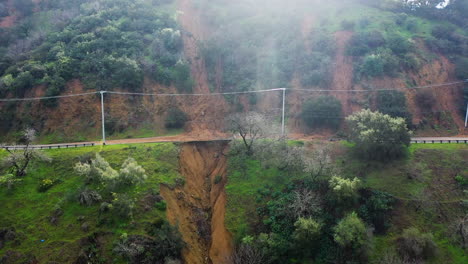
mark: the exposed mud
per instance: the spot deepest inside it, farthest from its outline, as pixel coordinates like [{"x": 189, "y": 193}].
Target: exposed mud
[
  {"x": 198, "y": 207},
  {"x": 9, "y": 21}
]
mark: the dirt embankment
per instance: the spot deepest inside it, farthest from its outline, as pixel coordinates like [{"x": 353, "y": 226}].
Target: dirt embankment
[
  {"x": 198, "y": 207},
  {"x": 9, "y": 21},
  {"x": 206, "y": 112}
]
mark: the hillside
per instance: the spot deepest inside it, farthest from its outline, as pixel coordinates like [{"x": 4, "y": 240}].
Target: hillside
[
  {"x": 52, "y": 48},
  {"x": 185, "y": 186}
]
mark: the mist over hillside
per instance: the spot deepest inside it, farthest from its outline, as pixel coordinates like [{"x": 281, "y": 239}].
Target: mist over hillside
[{"x": 233, "y": 132}]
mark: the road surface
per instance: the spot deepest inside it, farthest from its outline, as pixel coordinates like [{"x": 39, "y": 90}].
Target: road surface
[{"x": 188, "y": 138}]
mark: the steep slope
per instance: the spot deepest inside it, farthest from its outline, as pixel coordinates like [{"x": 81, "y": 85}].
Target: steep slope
[{"x": 198, "y": 207}]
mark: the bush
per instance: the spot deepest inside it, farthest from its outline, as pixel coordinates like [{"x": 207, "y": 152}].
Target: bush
[
  {"x": 175, "y": 118},
  {"x": 416, "y": 245},
  {"x": 344, "y": 189},
  {"x": 9, "y": 181},
  {"x": 45, "y": 185},
  {"x": 362, "y": 43},
  {"x": 350, "y": 232},
  {"x": 182, "y": 78},
  {"x": 165, "y": 243},
  {"x": 88, "y": 197},
  {"x": 323, "y": 111},
  {"x": 393, "y": 103},
  {"x": 399, "y": 45},
  {"x": 378, "y": 136},
  {"x": 100, "y": 171},
  {"x": 122, "y": 205},
  {"x": 425, "y": 100},
  {"x": 375, "y": 209},
  {"x": 306, "y": 230},
  {"x": 461, "y": 68}
]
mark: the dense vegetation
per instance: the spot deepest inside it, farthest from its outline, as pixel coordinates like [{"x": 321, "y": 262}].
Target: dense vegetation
[
  {"x": 323, "y": 111},
  {"x": 106, "y": 44},
  {"x": 310, "y": 207}
]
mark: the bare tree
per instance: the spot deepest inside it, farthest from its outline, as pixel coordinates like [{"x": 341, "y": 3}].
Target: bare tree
[
  {"x": 247, "y": 254},
  {"x": 306, "y": 203},
  {"x": 250, "y": 127},
  {"x": 319, "y": 162},
  {"x": 18, "y": 160}
]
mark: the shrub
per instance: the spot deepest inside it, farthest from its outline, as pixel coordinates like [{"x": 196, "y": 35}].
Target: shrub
[
  {"x": 425, "y": 100},
  {"x": 306, "y": 230},
  {"x": 378, "y": 136},
  {"x": 175, "y": 118},
  {"x": 443, "y": 31},
  {"x": 88, "y": 197},
  {"x": 393, "y": 103},
  {"x": 375, "y": 209},
  {"x": 323, "y": 111},
  {"x": 101, "y": 172},
  {"x": 350, "y": 232},
  {"x": 344, "y": 189},
  {"x": 122, "y": 205},
  {"x": 9, "y": 181},
  {"x": 461, "y": 68},
  {"x": 182, "y": 79},
  {"x": 462, "y": 180},
  {"x": 362, "y": 43},
  {"x": 165, "y": 243},
  {"x": 45, "y": 185},
  {"x": 416, "y": 245},
  {"x": 398, "y": 44}
]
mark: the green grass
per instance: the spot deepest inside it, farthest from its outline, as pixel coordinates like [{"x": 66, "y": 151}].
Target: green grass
[
  {"x": 28, "y": 210},
  {"x": 241, "y": 190}
]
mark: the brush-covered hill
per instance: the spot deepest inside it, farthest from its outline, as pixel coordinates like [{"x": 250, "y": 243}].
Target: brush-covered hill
[
  {"x": 281, "y": 206},
  {"x": 55, "y": 47}
]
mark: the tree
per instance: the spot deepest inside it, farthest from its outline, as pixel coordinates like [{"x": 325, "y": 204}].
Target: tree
[
  {"x": 175, "y": 118},
  {"x": 307, "y": 230},
  {"x": 18, "y": 160},
  {"x": 250, "y": 127},
  {"x": 378, "y": 136},
  {"x": 344, "y": 189},
  {"x": 323, "y": 111},
  {"x": 416, "y": 245},
  {"x": 393, "y": 103},
  {"x": 350, "y": 232}
]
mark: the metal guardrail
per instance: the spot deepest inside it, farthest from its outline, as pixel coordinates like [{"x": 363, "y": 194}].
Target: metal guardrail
[
  {"x": 58, "y": 146},
  {"x": 440, "y": 141}
]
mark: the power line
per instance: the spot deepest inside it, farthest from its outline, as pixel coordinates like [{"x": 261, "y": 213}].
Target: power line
[
  {"x": 45, "y": 97},
  {"x": 228, "y": 93},
  {"x": 197, "y": 94},
  {"x": 385, "y": 89}
]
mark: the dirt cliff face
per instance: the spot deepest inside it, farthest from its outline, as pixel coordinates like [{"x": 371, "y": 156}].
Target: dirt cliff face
[{"x": 198, "y": 207}]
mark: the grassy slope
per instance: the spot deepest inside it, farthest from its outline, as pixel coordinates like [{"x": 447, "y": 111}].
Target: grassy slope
[
  {"x": 28, "y": 210},
  {"x": 426, "y": 163}
]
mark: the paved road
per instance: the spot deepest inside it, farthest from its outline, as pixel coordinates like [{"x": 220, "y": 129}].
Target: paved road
[{"x": 188, "y": 138}]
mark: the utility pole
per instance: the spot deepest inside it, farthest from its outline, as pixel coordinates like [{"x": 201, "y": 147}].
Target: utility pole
[
  {"x": 282, "y": 117},
  {"x": 102, "y": 119},
  {"x": 466, "y": 117}
]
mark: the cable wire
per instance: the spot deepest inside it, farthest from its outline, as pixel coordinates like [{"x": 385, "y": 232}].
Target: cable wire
[
  {"x": 385, "y": 89},
  {"x": 197, "y": 94},
  {"x": 227, "y": 93},
  {"x": 45, "y": 97}
]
